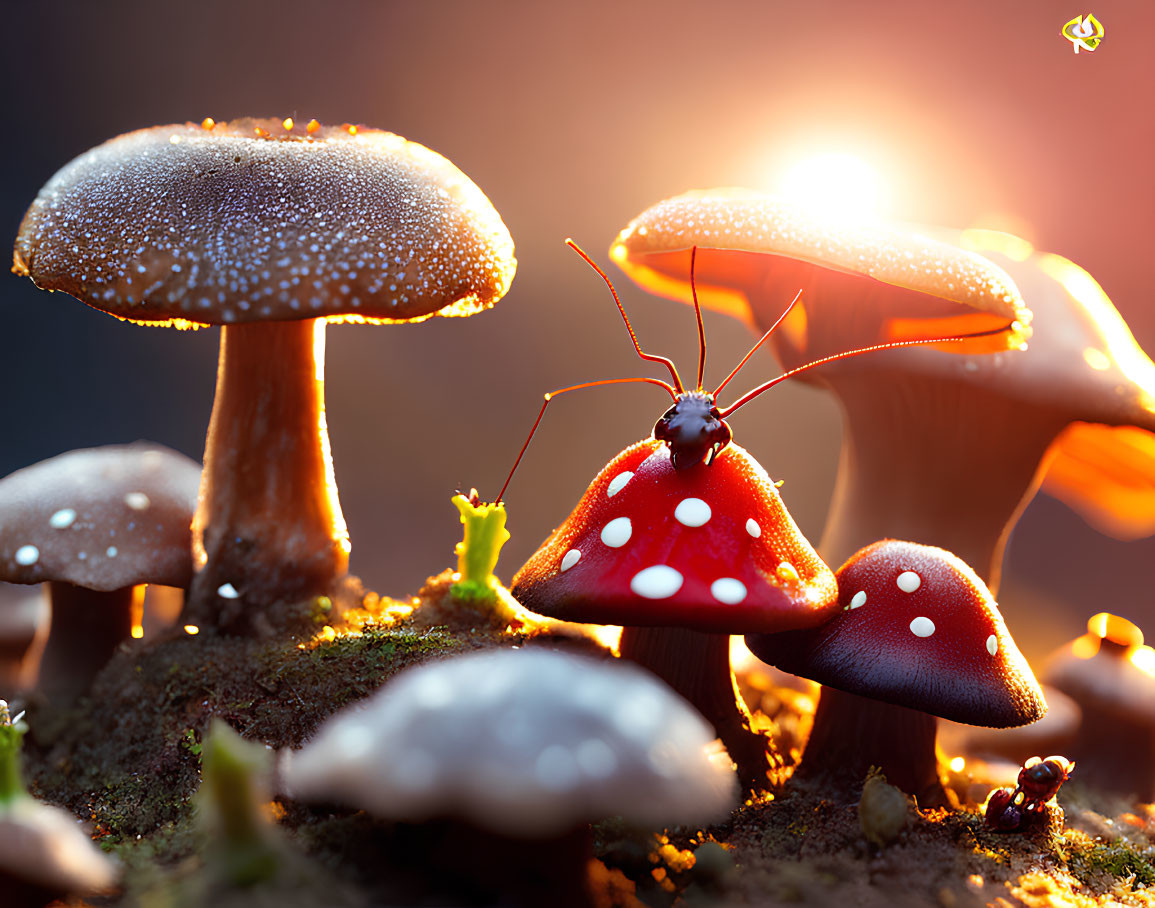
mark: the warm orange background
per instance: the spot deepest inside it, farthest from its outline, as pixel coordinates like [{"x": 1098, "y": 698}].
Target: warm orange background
[{"x": 573, "y": 118}]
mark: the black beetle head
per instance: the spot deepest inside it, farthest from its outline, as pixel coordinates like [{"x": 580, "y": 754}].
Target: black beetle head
[{"x": 694, "y": 430}]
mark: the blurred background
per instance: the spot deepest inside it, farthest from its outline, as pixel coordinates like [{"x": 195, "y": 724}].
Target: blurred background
[{"x": 573, "y": 118}]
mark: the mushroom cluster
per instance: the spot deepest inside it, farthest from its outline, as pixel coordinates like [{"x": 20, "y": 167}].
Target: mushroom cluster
[{"x": 269, "y": 230}]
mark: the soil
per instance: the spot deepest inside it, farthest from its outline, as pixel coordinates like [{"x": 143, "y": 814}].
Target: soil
[{"x": 126, "y": 758}]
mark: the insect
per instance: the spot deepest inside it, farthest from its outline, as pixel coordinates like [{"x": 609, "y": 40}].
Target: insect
[
  {"x": 1039, "y": 780},
  {"x": 683, "y": 540}
]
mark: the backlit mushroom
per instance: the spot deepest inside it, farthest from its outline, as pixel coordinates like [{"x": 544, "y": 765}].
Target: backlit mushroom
[
  {"x": 526, "y": 748},
  {"x": 710, "y": 550},
  {"x": 920, "y": 632},
  {"x": 44, "y": 855},
  {"x": 94, "y": 525},
  {"x": 269, "y": 230},
  {"x": 1110, "y": 674}
]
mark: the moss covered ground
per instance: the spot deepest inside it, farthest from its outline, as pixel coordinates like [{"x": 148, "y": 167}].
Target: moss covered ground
[{"x": 128, "y": 757}]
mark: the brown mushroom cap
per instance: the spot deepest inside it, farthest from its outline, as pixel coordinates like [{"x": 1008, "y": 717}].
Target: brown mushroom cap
[
  {"x": 100, "y": 518},
  {"x": 933, "y": 289},
  {"x": 247, "y": 221},
  {"x": 1108, "y": 669}
]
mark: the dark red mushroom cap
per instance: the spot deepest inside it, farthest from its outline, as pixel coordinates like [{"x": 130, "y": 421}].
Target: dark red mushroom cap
[
  {"x": 246, "y": 221},
  {"x": 918, "y": 629},
  {"x": 711, "y": 548}
]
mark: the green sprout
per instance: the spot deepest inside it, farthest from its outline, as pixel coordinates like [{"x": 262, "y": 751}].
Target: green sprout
[
  {"x": 477, "y": 554},
  {"x": 244, "y": 846},
  {"x": 11, "y": 735}
]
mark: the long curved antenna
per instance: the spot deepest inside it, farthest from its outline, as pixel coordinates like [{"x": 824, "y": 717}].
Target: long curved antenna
[
  {"x": 698, "y": 316},
  {"x": 552, "y": 394},
  {"x": 778, "y": 321},
  {"x": 633, "y": 337},
  {"x": 750, "y": 395}
]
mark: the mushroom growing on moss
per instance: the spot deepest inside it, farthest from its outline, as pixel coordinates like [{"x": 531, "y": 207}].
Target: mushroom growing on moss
[
  {"x": 95, "y": 525},
  {"x": 269, "y": 230},
  {"x": 514, "y": 753},
  {"x": 920, "y": 632},
  {"x": 1110, "y": 673},
  {"x": 44, "y": 855}
]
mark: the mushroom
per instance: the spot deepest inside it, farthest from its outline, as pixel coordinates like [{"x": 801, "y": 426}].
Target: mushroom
[
  {"x": 270, "y": 230},
  {"x": 1110, "y": 674},
  {"x": 683, "y": 558},
  {"x": 516, "y": 751},
  {"x": 44, "y": 856},
  {"x": 94, "y": 525},
  {"x": 920, "y": 631}
]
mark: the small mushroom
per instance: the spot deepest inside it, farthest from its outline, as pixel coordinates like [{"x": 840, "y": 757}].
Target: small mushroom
[
  {"x": 920, "y": 636},
  {"x": 269, "y": 230},
  {"x": 524, "y": 749},
  {"x": 1110, "y": 674},
  {"x": 683, "y": 558},
  {"x": 44, "y": 855},
  {"x": 94, "y": 525}
]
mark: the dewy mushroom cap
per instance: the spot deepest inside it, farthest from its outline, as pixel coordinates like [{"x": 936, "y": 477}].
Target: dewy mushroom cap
[
  {"x": 740, "y": 227},
  {"x": 247, "y": 221},
  {"x": 918, "y": 629},
  {"x": 100, "y": 518},
  {"x": 528, "y": 743}
]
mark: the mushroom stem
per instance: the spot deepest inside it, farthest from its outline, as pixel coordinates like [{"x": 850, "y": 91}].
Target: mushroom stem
[
  {"x": 268, "y": 530},
  {"x": 853, "y": 733},
  {"x": 87, "y": 627},
  {"x": 902, "y": 473},
  {"x": 697, "y": 666}
]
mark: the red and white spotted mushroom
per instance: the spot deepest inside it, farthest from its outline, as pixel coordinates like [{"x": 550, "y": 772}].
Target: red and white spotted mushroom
[
  {"x": 684, "y": 558},
  {"x": 920, "y": 636}
]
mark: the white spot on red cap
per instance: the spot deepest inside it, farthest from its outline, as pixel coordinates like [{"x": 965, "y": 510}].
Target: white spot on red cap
[
  {"x": 752, "y": 528},
  {"x": 658, "y": 582},
  {"x": 227, "y": 591},
  {"x": 787, "y": 572},
  {"x": 138, "y": 501},
  {"x": 617, "y": 532},
  {"x": 618, "y": 483},
  {"x": 26, "y": 555},
  {"x": 922, "y": 627},
  {"x": 62, "y": 519},
  {"x": 858, "y": 600},
  {"x": 993, "y": 645},
  {"x": 728, "y": 590},
  {"x": 908, "y": 582},
  {"x": 112, "y": 551},
  {"x": 692, "y": 512},
  {"x": 572, "y": 557}
]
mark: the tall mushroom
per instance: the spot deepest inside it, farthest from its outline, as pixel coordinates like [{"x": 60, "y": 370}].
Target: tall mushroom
[
  {"x": 1074, "y": 410},
  {"x": 683, "y": 558},
  {"x": 94, "y": 525},
  {"x": 269, "y": 230},
  {"x": 918, "y": 630}
]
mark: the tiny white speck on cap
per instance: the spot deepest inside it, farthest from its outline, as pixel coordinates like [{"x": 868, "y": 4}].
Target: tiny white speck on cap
[
  {"x": 62, "y": 519},
  {"x": 617, "y": 532},
  {"x": 618, "y": 483},
  {"x": 858, "y": 600},
  {"x": 692, "y": 512},
  {"x": 658, "y": 582},
  {"x": 26, "y": 555},
  {"x": 728, "y": 590},
  {"x": 228, "y": 591},
  {"x": 138, "y": 501},
  {"x": 752, "y": 528},
  {"x": 993, "y": 645},
  {"x": 572, "y": 557},
  {"x": 922, "y": 627},
  {"x": 112, "y": 551},
  {"x": 908, "y": 581}
]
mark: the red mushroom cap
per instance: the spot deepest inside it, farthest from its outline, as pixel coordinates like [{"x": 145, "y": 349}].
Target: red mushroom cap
[
  {"x": 711, "y": 548},
  {"x": 918, "y": 629}
]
